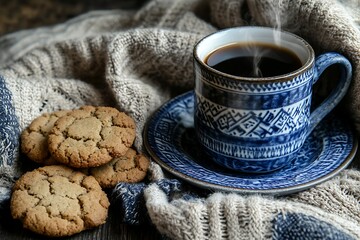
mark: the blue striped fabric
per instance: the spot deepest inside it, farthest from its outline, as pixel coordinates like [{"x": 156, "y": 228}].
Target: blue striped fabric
[
  {"x": 285, "y": 225},
  {"x": 130, "y": 196},
  {"x": 300, "y": 226},
  {"x": 9, "y": 127}
]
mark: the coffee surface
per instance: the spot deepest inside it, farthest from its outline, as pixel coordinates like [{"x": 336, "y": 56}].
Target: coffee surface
[{"x": 253, "y": 60}]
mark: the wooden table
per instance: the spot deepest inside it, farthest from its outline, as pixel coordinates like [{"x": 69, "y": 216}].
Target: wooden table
[{"x": 113, "y": 229}]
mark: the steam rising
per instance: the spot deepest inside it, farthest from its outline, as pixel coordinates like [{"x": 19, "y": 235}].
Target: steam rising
[
  {"x": 277, "y": 21},
  {"x": 275, "y": 9},
  {"x": 256, "y": 63}
]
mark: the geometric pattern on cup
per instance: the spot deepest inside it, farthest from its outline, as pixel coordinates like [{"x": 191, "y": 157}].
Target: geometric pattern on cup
[
  {"x": 241, "y": 151},
  {"x": 253, "y": 123}
]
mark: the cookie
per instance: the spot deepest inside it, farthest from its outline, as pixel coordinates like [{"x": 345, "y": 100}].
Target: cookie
[
  {"x": 91, "y": 136},
  {"x": 58, "y": 201},
  {"x": 34, "y": 139},
  {"x": 131, "y": 167}
]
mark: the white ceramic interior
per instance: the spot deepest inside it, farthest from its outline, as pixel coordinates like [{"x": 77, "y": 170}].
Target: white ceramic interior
[{"x": 254, "y": 34}]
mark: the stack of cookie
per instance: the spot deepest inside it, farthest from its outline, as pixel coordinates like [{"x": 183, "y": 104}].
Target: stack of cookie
[{"x": 83, "y": 150}]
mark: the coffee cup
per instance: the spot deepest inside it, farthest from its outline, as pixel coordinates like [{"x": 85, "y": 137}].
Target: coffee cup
[{"x": 253, "y": 94}]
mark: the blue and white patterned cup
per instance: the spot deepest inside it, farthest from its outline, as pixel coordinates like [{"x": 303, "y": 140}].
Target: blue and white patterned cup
[{"x": 258, "y": 125}]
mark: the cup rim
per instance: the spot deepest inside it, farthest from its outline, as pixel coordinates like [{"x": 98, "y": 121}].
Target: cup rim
[{"x": 279, "y": 78}]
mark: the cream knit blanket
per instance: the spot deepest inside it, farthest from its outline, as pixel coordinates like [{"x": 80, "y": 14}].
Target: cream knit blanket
[{"x": 136, "y": 60}]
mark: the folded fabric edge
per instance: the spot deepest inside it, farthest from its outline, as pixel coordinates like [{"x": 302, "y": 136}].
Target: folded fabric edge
[
  {"x": 240, "y": 217},
  {"x": 9, "y": 142}
]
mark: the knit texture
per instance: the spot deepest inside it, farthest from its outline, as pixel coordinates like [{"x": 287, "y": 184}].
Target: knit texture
[
  {"x": 328, "y": 211},
  {"x": 9, "y": 144},
  {"x": 137, "y": 60}
]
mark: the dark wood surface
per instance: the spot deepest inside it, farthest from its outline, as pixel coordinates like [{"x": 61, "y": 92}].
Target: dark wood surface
[
  {"x": 113, "y": 229},
  {"x": 25, "y": 14}
]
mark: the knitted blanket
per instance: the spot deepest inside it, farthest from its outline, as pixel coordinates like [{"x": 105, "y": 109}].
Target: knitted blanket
[{"x": 137, "y": 60}]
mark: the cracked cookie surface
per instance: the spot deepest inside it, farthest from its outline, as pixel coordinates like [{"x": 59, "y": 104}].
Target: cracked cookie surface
[
  {"x": 34, "y": 139},
  {"x": 131, "y": 167},
  {"x": 91, "y": 136},
  {"x": 58, "y": 201}
]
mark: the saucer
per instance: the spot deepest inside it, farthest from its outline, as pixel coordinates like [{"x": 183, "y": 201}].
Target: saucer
[{"x": 169, "y": 138}]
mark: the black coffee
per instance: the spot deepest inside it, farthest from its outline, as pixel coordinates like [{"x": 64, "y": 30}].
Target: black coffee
[{"x": 253, "y": 60}]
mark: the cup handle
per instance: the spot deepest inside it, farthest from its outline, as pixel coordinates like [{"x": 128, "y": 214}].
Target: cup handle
[{"x": 321, "y": 63}]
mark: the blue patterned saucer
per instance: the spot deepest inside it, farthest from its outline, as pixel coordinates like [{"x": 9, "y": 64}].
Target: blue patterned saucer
[{"x": 170, "y": 140}]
